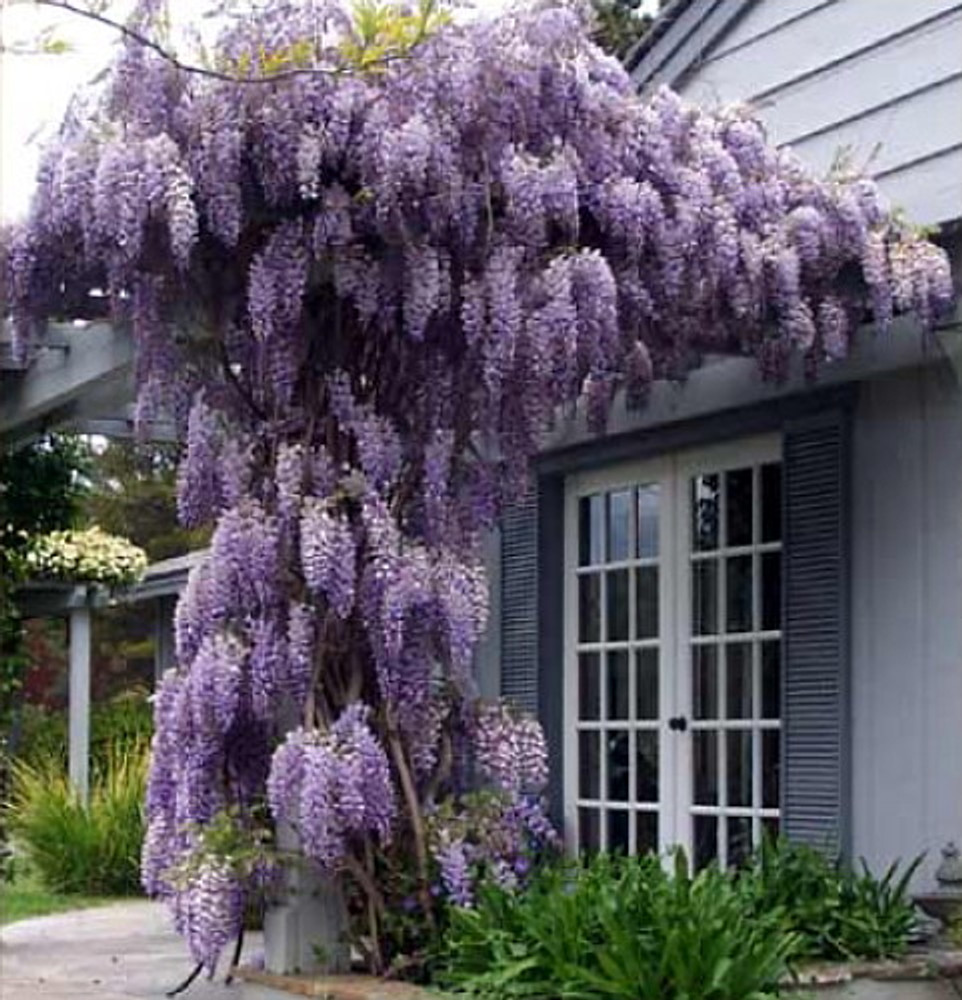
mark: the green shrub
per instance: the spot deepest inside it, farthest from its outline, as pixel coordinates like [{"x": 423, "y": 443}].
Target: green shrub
[
  {"x": 124, "y": 720},
  {"x": 838, "y": 913},
  {"x": 42, "y": 737},
  {"x": 90, "y": 849},
  {"x": 611, "y": 927},
  {"x": 617, "y": 928}
]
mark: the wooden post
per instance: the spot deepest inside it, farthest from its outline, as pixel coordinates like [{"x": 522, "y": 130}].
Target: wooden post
[{"x": 79, "y": 703}]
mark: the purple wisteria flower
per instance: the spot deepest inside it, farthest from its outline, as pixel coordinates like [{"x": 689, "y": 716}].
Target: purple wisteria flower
[
  {"x": 333, "y": 787},
  {"x": 364, "y": 297}
]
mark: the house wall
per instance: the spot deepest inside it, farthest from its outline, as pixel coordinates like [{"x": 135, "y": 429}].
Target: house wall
[
  {"x": 906, "y": 567},
  {"x": 488, "y": 657},
  {"x": 881, "y": 79},
  {"x": 906, "y": 625}
]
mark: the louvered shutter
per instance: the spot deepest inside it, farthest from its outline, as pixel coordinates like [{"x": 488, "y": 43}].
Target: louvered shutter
[
  {"x": 519, "y": 605},
  {"x": 815, "y": 757}
]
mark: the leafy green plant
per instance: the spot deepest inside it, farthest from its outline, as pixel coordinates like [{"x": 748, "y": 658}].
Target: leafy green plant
[
  {"x": 41, "y": 486},
  {"x": 6, "y": 853},
  {"x": 616, "y": 928},
  {"x": 877, "y": 915},
  {"x": 955, "y": 930},
  {"x": 92, "y": 848},
  {"x": 838, "y": 913},
  {"x": 125, "y": 721}
]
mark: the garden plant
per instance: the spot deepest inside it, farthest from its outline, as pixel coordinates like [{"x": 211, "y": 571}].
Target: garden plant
[
  {"x": 615, "y": 927},
  {"x": 367, "y": 257},
  {"x": 75, "y": 847},
  {"x": 40, "y": 492},
  {"x": 123, "y": 722}
]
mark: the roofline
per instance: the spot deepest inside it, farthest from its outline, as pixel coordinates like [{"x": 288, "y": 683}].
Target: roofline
[
  {"x": 731, "y": 382},
  {"x": 166, "y": 578},
  {"x": 679, "y": 37},
  {"x": 662, "y": 22}
]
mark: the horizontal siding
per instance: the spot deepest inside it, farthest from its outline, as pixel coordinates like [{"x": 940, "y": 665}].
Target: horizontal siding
[
  {"x": 879, "y": 76},
  {"x": 808, "y": 44},
  {"x": 765, "y": 19},
  {"x": 881, "y": 79},
  {"x": 895, "y": 135},
  {"x": 931, "y": 190}
]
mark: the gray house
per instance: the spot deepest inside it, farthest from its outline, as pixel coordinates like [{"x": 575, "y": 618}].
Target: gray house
[{"x": 741, "y": 609}]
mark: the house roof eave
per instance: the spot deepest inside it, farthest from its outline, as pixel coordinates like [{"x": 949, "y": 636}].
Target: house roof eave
[
  {"x": 730, "y": 384},
  {"x": 680, "y": 35}
]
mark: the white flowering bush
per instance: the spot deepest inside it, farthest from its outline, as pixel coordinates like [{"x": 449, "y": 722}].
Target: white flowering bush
[{"x": 91, "y": 556}]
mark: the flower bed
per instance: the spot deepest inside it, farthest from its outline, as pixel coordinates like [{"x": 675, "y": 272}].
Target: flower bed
[
  {"x": 926, "y": 976},
  {"x": 612, "y": 927}
]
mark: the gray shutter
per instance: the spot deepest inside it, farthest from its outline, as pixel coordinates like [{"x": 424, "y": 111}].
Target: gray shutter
[
  {"x": 519, "y": 604},
  {"x": 815, "y": 786}
]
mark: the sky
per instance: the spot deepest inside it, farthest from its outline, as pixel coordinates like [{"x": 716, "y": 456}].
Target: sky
[{"x": 35, "y": 89}]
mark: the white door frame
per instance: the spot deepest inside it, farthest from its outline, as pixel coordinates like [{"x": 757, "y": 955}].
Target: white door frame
[{"x": 672, "y": 473}]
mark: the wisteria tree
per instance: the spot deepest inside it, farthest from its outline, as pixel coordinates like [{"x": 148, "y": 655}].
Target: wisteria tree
[{"x": 365, "y": 275}]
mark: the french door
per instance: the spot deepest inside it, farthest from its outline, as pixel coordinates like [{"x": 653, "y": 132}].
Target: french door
[{"x": 673, "y": 652}]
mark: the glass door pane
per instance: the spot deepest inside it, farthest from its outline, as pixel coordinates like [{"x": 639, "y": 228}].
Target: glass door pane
[
  {"x": 734, "y": 636},
  {"x": 618, "y": 599}
]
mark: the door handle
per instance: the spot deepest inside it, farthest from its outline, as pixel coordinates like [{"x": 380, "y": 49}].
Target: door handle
[{"x": 678, "y": 723}]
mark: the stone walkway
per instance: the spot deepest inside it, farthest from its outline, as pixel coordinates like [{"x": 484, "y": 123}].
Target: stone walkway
[{"x": 117, "y": 952}]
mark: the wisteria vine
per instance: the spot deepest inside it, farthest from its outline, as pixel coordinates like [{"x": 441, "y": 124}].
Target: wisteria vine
[{"x": 365, "y": 295}]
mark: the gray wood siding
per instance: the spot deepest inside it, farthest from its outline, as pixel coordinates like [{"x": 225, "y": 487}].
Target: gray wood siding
[
  {"x": 488, "y": 656},
  {"x": 906, "y": 628},
  {"x": 881, "y": 79}
]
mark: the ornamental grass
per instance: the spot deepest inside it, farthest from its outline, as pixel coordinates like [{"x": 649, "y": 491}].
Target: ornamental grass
[{"x": 90, "y": 849}]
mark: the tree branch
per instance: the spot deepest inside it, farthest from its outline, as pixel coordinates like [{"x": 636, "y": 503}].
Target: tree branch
[
  {"x": 138, "y": 37},
  {"x": 375, "y": 903},
  {"x": 443, "y": 770},
  {"x": 417, "y": 820},
  {"x": 374, "y": 911}
]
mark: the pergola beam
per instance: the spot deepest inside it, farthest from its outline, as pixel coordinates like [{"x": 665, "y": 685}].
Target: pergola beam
[
  {"x": 88, "y": 374},
  {"x": 122, "y": 428}
]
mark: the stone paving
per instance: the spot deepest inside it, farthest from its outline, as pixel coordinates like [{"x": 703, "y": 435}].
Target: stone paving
[
  {"x": 129, "y": 952},
  {"x": 125, "y": 951}
]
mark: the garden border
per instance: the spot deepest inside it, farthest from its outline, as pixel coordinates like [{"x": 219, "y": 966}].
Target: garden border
[
  {"x": 922, "y": 966},
  {"x": 917, "y": 966}
]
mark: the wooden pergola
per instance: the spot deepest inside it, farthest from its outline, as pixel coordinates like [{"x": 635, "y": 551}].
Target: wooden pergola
[
  {"x": 81, "y": 379},
  {"x": 156, "y": 594}
]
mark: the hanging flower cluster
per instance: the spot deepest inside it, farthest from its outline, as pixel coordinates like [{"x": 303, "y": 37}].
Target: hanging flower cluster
[
  {"x": 511, "y": 750},
  {"x": 333, "y": 786},
  {"x": 499, "y": 831},
  {"x": 214, "y": 879},
  {"x": 488, "y": 834},
  {"x": 365, "y": 295},
  {"x": 88, "y": 556}
]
